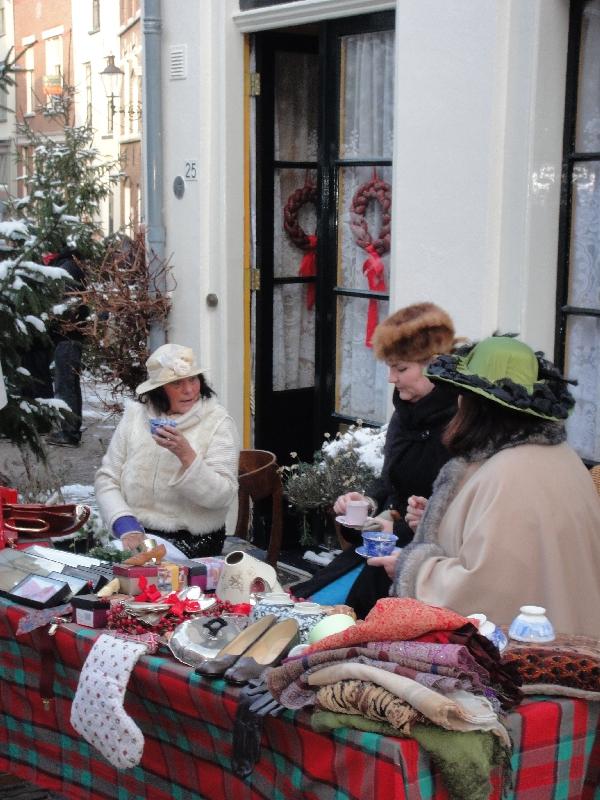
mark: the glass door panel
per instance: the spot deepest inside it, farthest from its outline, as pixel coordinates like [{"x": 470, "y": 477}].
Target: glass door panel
[
  {"x": 364, "y": 219},
  {"x": 361, "y": 380},
  {"x": 367, "y": 95}
]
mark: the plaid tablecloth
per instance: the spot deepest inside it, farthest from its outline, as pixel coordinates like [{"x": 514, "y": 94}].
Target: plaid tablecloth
[{"x": 187, "y": 724}]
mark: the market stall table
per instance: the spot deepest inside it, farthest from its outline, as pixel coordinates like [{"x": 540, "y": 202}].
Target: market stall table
[{"x": 187, "y": 723}]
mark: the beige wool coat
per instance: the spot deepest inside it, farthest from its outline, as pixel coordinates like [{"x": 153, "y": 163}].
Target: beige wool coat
[{"x": 523, "y": 529}]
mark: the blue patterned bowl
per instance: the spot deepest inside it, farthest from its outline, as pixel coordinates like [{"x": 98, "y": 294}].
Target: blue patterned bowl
[{"x": 531, "y": 625}]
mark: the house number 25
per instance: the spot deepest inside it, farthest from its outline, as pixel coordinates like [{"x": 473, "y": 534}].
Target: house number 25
[{"x": 190, "y": 171}]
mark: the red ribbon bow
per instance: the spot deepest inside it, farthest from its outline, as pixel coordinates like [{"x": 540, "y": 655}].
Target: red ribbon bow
[
  {"x": 149, "y": 593},
  {"x": 373, "y": 270},
  {"x": 308, "y": 269},
  {"x": 180, "y": 607}
]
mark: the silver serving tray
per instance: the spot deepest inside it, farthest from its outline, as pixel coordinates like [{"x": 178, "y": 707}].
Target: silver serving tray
[{"x": 195, "y": 640}]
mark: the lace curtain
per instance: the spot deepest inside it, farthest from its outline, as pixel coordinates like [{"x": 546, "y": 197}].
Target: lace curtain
[
  {"x": 366, "y": 108},
  {"x": 583, "y": 333},
  {"x": 296, "y": 109},
  {"x": 366, "y": 130}
]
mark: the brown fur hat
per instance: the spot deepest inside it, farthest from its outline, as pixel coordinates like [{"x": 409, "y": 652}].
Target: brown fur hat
[{"x": 414, "y": 333}]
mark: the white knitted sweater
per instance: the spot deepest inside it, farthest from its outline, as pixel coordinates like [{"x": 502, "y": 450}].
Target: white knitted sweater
[{"x": 140, "y": 478}]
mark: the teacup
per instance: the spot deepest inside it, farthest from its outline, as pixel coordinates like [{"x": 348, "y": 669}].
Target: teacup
[
  {"x": 379, "y": 543},
  {"x": 357, "y": 512},
  {"x": 157, "y": 422}
]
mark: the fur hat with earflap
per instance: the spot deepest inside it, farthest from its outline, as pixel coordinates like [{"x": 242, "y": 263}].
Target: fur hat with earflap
[{"x": 414, "y": 333}]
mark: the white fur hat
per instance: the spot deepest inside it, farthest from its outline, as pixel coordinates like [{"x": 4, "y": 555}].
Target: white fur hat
[{"x": 168, "y": 363}]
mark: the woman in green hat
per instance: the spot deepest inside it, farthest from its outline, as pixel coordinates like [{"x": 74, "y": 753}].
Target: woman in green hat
[{"x": 514, "y": 518}]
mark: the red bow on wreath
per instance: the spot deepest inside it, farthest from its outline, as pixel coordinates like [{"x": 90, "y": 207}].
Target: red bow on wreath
[
  {"x": 180, "y": 607},
  {"x": 373, "y": 270}
]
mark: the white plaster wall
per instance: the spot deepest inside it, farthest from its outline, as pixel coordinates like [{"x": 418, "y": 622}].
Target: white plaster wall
[
  {"x": 94, "y": 47},
  {"x": 478, "y": 130},
  {"x": 203, "y": 120}
]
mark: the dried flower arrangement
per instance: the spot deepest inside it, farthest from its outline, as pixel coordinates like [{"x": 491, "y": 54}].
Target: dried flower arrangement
[
  {"x": 125, "y": 299},
  {"x": 349, "y": 462}
]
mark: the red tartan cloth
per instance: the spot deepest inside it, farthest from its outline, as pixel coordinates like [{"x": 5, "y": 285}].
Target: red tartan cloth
[{"x": 187, "y": 724}]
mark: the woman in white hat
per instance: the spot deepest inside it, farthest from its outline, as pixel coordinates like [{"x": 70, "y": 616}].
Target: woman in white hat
[{"x": 171, "y": 466}]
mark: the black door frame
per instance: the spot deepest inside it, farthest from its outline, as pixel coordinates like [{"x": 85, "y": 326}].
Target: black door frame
[{"x": 321, "y": 398}]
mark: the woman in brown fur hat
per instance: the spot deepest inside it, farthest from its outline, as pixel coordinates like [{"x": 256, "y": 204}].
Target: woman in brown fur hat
[{"x": 413, "y": 454}]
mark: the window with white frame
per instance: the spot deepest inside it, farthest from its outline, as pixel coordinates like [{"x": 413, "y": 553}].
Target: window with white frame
[
  {"x": 5, "y": 162},
  {"x": 95, "y": 15},
  {"x": 29, "y": 81},
  {"x": 53, "y": 76},
  {"x": 88, "y": 93},
  {"x": 578, "y": 293}
]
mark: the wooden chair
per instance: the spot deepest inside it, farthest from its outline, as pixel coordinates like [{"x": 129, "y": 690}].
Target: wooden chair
[
  {"x": 259, "y": 478},
  {"x": 595, "y": 473}
]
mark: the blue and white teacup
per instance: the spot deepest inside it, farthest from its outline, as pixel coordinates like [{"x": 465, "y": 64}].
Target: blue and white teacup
[
  {"x": 157, "y": 422},
  {"x": 379, "y": 543}
]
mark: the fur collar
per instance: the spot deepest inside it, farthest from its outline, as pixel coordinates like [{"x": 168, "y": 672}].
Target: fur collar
[{"x": 446, "y": 486}]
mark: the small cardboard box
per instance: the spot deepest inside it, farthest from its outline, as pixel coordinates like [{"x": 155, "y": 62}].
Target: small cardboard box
[
  {"x": 129, "y": 577},
  {"x": 91, "y": 610}
]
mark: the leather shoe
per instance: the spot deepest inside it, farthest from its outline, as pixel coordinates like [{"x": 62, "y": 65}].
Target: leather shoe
[
  {"x": 229, "y": 654},
  {"x": 266, "y": 652}
]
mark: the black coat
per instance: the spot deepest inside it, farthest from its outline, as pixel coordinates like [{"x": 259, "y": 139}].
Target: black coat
[{"x": 413, "y": 456}]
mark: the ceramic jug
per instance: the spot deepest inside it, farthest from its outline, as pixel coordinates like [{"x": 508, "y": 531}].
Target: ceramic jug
[{"x": 242, "y": 575}]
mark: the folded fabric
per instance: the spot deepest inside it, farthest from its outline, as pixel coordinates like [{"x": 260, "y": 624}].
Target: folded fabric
[
  {"x": 371, "y": 700},
  {"x": 323, "y": 721},
  {"x": 504, "y": 678},
  {"x": 465, "y": 759},
  {"x": 395, "y": 618},
  {"x": 418, "y": 654},
  {"x": 288, "y": 685},
  {"x": 569, "y": 664},
  {"x": 458, "y": 711}
]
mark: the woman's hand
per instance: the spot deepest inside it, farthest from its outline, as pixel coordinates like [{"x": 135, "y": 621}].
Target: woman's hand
[
  {"x": 340, "y": 504},
  {"x": 415, "y": 510},
  {"x": 387, "y": 562},
  {"x": 132, "y": 541},
  {"x": 175, "y": 442}
]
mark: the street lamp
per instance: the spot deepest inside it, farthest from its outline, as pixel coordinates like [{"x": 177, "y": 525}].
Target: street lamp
[{"x": 112, "y": 78}]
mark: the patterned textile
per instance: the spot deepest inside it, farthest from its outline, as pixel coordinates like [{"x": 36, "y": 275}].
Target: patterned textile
[
  {"x": 374, "y": 702},
  {"x": 396, "y": 618},
  {"x": 567, "y": 664},
  {"x": 187, "y": 722},
  {"x": 504, "y": 678},
  {"x": 289, "y": 686}
]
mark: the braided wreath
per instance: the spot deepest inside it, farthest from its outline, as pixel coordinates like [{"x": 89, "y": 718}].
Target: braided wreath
[
  {"x": 380, "y": 191},
  {"x": 297, "y": 199}
]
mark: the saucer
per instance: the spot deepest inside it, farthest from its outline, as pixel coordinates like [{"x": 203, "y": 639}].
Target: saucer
[
  {"x": 342, "y": 521},
  {"x": 362, "y": 552}
]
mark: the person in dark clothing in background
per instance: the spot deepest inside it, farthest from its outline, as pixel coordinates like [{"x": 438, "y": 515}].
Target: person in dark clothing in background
[
  {"x": 413, "y": 452},
  {"x": 68, "y": 347}
]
